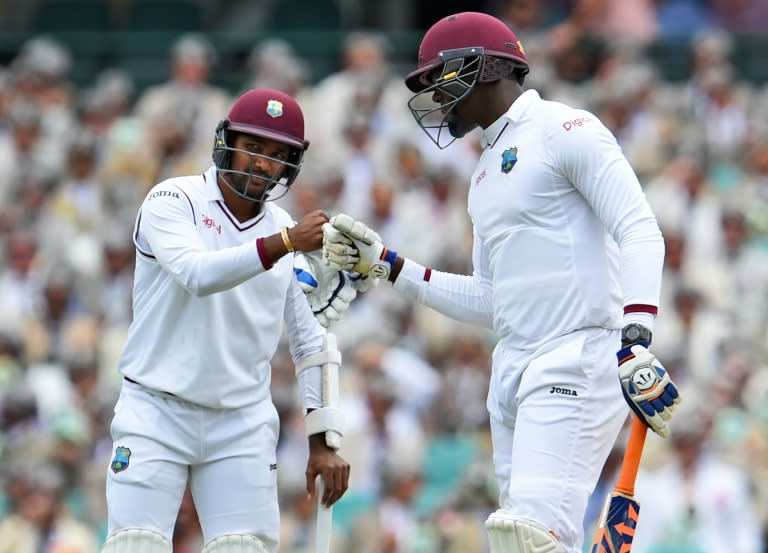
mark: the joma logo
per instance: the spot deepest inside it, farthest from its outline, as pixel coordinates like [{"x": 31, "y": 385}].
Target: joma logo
[{"x": 563, "y": 391}]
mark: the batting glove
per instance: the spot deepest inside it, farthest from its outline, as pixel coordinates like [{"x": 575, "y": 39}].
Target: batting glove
[
  {"x": 647, "y": 387},
  {"x": 351, "y": 245},
  {"x": 328, "y": 290}
]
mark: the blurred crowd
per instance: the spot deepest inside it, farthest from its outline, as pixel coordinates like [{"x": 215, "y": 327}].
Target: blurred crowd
[{"x": 75, "y": 163}]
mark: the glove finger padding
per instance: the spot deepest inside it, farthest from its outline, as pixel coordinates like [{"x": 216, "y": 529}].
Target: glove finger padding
[
  {"x": 363, "y": 283},
  {"x": 338, "y": 250},
  {"x": 647, "y": 387},
  {"x": 328, "y": 290},
  {"x": 354, "y": 229},
  {"x": 369, "y": 255}
]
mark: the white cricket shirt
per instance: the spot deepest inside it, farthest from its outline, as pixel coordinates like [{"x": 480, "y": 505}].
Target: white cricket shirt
[
  {"x": 208, "y": 311},
  {"x": 563, "y": 235}
]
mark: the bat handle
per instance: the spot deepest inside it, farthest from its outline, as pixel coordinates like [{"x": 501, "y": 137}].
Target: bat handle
[{"x": 626, "y": 482}]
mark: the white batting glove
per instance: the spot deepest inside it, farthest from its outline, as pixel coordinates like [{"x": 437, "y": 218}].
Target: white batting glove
[
  {"x": 362, "y": 283},
  {"x": 647, "y": 387},
  {"x": 328, "y": 290},
  {"x": 352, "y": 245}
]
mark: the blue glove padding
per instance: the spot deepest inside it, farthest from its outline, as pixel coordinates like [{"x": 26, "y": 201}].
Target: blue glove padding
[
  {"x": 328, "y": 290},
  {"x": 647, "y": 387}
]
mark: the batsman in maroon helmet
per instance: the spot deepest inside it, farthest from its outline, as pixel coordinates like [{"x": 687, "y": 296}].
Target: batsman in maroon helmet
[
  {"x": 215, "y": 287},
  {"x": 567, "y": 262}
]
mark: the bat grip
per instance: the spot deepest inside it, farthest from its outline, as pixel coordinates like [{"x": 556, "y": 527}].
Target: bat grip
[{"x": 632, "y": 455}]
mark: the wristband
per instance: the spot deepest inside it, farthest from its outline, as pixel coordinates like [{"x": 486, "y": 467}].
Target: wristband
[
  {"x": 286, "y": 239},
  {"x": 389, "y": 256}
]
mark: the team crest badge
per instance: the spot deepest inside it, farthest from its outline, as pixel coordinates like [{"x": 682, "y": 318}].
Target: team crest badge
[
  {"x": 508, "y": 159},
  {"x": 121, "y": 460},
  {"x": 275, "y": 108}
]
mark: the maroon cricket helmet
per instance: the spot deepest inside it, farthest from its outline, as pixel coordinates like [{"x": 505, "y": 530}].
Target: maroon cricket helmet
[{"x": 461, "y": 31}]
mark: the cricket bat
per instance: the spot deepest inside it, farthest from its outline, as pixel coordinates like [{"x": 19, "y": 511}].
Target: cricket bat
[
  {"x": 618, "y": 520},
  {"x": 330, "y": 390},
  {"x": 324, "y": 524}
]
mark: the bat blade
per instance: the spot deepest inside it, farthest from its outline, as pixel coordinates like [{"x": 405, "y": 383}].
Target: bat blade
[
  {"x": 324, "y": 525},
  {"x": 617, "y": 525},
  {"x": 618, "y": 520}
]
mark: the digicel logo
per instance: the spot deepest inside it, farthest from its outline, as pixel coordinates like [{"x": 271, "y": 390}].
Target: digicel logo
[{"x": 568, "y": 125}]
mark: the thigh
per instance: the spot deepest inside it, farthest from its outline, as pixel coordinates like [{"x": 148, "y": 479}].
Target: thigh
[
  {"x": 569, "y": 413},
  {"x": 148, "y": 473},
  {"x": 235, "y": 487}
]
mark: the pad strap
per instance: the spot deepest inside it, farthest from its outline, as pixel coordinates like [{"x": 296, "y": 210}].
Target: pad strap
[
  {"x": 324, "y": 419},
  {"x": 318, "y": 359}
]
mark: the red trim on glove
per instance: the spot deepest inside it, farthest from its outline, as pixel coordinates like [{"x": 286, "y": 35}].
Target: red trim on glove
[
  {"x": 427, "y": 274},
  {"x": 641, "y": 308}
]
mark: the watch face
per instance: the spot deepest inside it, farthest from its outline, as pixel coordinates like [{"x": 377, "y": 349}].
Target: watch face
[{"x": 635, "y": 333}]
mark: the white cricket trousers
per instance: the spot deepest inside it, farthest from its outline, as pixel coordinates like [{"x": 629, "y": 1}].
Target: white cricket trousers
[
  {"x": 228, "y": 456},
  {"x": 554, "y": 418}
]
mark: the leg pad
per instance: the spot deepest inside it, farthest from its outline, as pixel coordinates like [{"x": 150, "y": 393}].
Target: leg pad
[
  {"x": 137, "y": 540},
  {"x": 235, "y": 544},
  {"x": 508, "y": 533}
]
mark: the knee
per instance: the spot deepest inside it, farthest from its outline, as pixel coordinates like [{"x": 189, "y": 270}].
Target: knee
[{"x": 508, "y": 533}]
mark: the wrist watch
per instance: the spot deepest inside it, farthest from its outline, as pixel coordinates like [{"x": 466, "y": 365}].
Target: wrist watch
[{"x": 634, "y": 333}]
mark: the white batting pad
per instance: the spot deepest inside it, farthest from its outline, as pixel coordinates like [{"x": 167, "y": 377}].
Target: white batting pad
[
  {"x": 136, "y": 540},
  {"x": 235, "y": 543},
  {"x": 508, "y": 533}
]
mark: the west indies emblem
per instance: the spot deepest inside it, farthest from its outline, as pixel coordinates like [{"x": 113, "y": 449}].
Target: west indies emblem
[
  {"x": 508, "y": 159},
  {"x": 121, "y": 459}
]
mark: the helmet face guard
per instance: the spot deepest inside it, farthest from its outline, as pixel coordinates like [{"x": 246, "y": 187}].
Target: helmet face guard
[
  {"x": 242, "y": 182},
  {"x": 459, "y": 73},
  {"x": 270, "y": 115}
]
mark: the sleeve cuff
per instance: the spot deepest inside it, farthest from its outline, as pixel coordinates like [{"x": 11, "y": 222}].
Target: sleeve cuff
[
  {"x": 411, "y": 277},
  {"x": 262, "y": 254}
]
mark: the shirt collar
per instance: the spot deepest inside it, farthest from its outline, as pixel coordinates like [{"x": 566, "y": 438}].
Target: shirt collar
[
  {"x": 212, "y": 191},
  {"x": 514, "y": 113}
]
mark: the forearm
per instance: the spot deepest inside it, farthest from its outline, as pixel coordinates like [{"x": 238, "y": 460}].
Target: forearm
[
  {"x": 461, "y": 297},
  {"x": 204, "y": 272}
]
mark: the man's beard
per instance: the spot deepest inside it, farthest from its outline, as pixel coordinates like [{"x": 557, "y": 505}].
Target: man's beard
[
  {"x": 252, "y": 184},
  {"x": 456, "y": 125}
]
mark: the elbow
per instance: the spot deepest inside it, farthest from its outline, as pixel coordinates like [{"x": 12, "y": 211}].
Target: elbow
[
  {"x": 196, "y": 288},
  {"x": 201, "y": 290}
]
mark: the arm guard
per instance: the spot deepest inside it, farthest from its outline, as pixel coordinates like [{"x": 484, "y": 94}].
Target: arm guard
[{"x": 328, "y": 418}]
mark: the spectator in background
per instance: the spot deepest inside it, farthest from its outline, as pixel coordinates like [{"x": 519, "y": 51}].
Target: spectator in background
[
  {"x": 23, "y": 148},
  {"x": 273, "y": 63},
  {"x": 365, "y": 85},
  {"x": 633, "y": 20},
  {"x": 379, "y": 426},
  {"x": 694, "y": 501},
  {"x": 41, "y": 74},
  {"x": 724, "y": 114},
  {"x": 20, "y": 279},
  {"x": 683, "y": 18},
  {"x": 39, "y": 520},
  {"x": 531, "y": 16},
  {"x": 106, "y": 105},
  {"x": 741, "y": 16},
  {"x": 392, "y": 526},
  {"x": 187, "y": 92}
]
